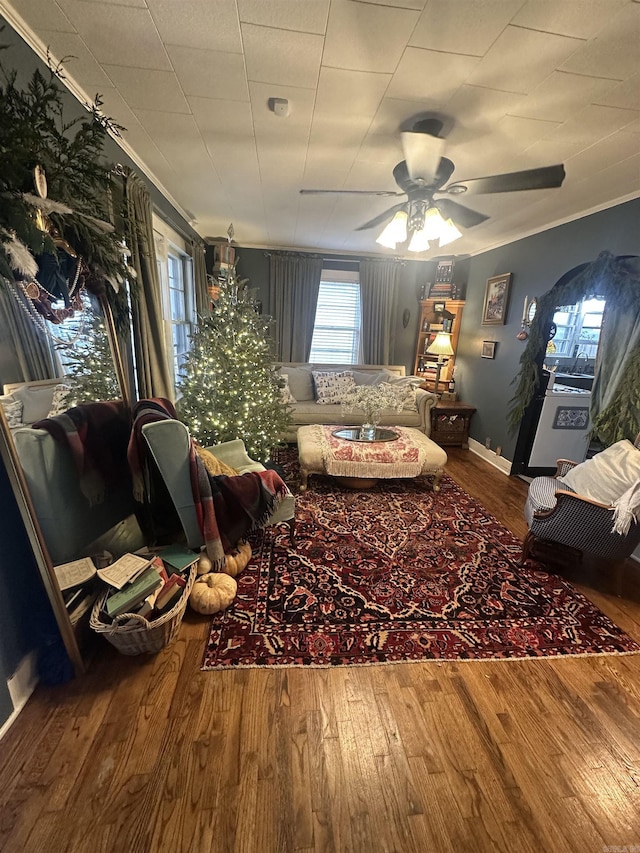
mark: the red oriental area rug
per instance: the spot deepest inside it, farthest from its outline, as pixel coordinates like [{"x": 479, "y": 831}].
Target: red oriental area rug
[{"x": 399, "y": 573}]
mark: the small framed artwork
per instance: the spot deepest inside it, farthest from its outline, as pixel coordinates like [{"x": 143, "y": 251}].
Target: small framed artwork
[
  {"x": 488, "y": 349},
  {"x": 496, "y": 298},
  {"x": 438, "y": 307}
]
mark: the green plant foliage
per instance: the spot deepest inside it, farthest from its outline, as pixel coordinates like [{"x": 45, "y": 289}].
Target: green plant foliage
[
  {"x": 33, "y": 131},
  {"x": 617, "y": 280},
  {"x": 229, "y": 387},
  {"x": 91, "y": 375}
]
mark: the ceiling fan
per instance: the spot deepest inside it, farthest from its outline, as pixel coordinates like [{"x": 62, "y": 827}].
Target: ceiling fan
[{"x": 424, "y": 173}]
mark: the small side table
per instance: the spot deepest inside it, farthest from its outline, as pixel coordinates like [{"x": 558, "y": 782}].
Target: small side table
[{"x": 450, "y": 423}]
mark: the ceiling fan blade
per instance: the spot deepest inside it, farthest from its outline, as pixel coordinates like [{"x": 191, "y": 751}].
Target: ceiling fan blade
[
  {"x": 378, "y": 220},
  {"x": 422, "y": 153},
  {"x": 460, "y": 214},
  {"x": 529, "y": 179},
  {"x": 351, "y": 192}
]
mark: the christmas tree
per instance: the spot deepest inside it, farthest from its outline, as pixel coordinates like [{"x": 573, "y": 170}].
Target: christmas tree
[
  {"x": 88, "y": 362},
  {"x": 228, "y": 384}
]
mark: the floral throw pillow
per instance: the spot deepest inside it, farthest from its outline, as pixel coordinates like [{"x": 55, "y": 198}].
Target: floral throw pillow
[
  {"x": 285, "y": 392},
  {"x": 13, "y": 412},
  {"x": 60, "y": 400},
  {"x": 333, "y": 385}
]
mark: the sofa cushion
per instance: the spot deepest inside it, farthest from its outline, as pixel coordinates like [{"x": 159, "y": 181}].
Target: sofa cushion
[
  {"x": 607, "y": 475},
  {"x": 36, "y": 400},
  {"x": 300, "y": 382},
  {"x": 285, "y": 392},
  {"x": 60, "y": 401},
  {"x": 12, "y": 410},
  {"x": 332, "y": 385}
]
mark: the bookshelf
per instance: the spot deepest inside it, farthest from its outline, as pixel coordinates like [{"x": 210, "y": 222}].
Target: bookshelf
[{"x": 432, "y": 322}]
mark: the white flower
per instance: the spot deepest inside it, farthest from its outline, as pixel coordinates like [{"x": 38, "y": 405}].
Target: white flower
[{"x": 373, "y": 399}]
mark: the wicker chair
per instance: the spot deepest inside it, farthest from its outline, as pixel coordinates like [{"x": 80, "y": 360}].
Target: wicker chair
[{"x": 555, "y": 514}]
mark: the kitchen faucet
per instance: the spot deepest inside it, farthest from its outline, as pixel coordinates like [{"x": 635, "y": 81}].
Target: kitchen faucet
[{"x": 581, "y": 354}]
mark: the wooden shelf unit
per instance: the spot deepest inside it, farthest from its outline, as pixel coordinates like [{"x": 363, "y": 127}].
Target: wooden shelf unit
[{"x": 427, "y": 361}]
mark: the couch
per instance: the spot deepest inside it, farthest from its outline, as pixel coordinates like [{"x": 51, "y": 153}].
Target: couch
[{"x": 305, "y": 408}]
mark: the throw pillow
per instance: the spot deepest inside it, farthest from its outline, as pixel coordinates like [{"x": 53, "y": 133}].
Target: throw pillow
[
  {"x": 607, "y": 475},
  {"x": 333, "y": 385},
  {"x": 300, "y": 382},
  {"x": 13, "y": 412},
  {"x": 285, "y": 392},
  {"x": 214, "y": 466},
  {"x": 404, "y": 394},
  {"x": 371, "y": 377},
  {"x": 59, "y": 401}
]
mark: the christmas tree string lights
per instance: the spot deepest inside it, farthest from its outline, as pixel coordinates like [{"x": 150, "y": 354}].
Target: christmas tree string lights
[{"x": 228, "y": 385}]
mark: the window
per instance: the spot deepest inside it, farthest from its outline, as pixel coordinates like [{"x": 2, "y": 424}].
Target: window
[
  {"x": 336, "y": 331},
  {"x": 178, "y": 294},
  {"x": 578, "y": 331}
]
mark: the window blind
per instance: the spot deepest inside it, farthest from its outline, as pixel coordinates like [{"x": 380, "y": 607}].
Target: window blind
[{"x": 336, "y": 331}]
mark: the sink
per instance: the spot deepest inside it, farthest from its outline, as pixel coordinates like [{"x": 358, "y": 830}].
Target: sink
[{"x": 575, "y": 380}]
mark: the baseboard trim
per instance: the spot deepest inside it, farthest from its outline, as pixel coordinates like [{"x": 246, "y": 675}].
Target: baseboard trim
[
  {"x": 490, "y": 456},
  {"x": 21, "y": 685}
]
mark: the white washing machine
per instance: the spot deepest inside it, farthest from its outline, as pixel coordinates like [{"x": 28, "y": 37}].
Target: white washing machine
[{"x": 564, "y": 427}]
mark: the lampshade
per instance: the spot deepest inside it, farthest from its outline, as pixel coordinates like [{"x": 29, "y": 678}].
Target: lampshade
[
  {"x": 441, "y": 345},
  {"x": 449, "y": 232},
  {"x": 395, "y": 232}
]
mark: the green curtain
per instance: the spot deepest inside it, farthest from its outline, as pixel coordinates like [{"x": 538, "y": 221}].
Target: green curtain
[
  {"x": 203, "y": 303},
  {"x": 294, "y": 282},
  {"x": 378, "y": 288},
  {"x": 615, "y": 398},
  {"x": 153, "y": 377},
  {"x": 24, "y": 331}
]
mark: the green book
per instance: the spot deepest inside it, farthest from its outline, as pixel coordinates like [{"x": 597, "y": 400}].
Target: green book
[
  {"x": 178, "y": 557},
  {"x": 133, "y": 593}
]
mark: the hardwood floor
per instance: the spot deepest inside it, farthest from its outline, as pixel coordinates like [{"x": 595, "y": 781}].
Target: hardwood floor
[{"x": 151, "y": 754}]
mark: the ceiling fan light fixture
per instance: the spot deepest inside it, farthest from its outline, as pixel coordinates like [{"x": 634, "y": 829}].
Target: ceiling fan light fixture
[
  {"x": 449, "y": 233},
  {"x": 419, "y": 242},
  {"x": 395, "y": 232}
]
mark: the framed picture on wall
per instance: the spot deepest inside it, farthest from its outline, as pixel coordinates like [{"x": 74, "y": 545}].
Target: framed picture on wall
[
  {"x": 496, "y": 298},
  {"x": 488, "y": 349}
]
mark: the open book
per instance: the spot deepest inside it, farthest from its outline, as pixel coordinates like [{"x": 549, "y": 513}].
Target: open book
[{"x": 123, "y": 571}]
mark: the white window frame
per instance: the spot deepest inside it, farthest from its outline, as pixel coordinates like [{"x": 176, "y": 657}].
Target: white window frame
[
  {"x": 170, "y": 244},
  {"x": 332, "y": 277}
]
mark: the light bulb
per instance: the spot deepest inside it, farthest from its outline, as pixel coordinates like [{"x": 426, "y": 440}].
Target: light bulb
[
  {"x": 449, "y": 233},
  {"x": 395, "y": 232},
  {"x": 419, "y": 242}
]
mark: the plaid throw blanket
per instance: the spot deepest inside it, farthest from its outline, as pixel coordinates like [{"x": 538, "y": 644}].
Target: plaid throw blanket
[
  {"x": 97, "y": 435},
  {"x": 227, "y": 508}
]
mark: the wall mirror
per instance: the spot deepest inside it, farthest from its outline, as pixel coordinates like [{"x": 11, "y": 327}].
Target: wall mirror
[{"x": 77, "y": 347}]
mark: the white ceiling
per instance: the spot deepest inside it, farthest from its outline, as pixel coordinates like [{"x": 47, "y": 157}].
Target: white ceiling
[{"x": 526, "y": 83}]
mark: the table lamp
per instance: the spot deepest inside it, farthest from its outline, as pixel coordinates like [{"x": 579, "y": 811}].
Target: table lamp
[{"x": 441, "y": 346}]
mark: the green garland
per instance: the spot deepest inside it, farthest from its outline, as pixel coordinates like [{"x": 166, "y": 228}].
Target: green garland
[
  {"x": 617, "y": 280},
  {"x": 34, "y": 132}
]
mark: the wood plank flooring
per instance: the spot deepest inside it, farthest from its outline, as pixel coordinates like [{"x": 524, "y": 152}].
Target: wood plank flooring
[{"x": 151, "y": 754}]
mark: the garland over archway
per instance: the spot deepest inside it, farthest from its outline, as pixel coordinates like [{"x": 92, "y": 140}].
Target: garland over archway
[{"x": 616, "y": 279}]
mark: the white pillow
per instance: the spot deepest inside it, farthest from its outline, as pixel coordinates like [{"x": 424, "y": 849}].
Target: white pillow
[
  {"x": 333, "y": 385},
  {"x": 60, "y": 400},
  {"x": 606, "y": 476},
  {"x": 285, "y": 392},
  {"x": 13, "y": 412},
  {"x": 406, "y": 393}
]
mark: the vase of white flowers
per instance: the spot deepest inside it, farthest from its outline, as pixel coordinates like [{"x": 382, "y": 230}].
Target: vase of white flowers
[{"x": 373, "y": 400}]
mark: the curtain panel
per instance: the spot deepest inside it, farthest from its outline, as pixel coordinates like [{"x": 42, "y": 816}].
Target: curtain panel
[
  {"x": 25, "y": 331},
  {"x": 294, "y": 282},
  {"x": 153, "y": 377},
  {"x": 379, "y": 282},
  {"x": 203, "y": 303}
]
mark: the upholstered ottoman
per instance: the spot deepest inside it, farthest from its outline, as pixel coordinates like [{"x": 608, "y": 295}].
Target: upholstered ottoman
[{"x": 362, "y": 464}]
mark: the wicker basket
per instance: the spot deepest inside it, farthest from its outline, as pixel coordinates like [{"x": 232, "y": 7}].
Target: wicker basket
[{"x": 143, "y": 636}]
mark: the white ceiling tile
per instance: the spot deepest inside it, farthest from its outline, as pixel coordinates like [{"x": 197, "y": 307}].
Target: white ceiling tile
[
  {"x": 579, "y": 18},
  {"x": 366, "y": 37},
  {"x": 625, "y": 95},
  {"x": 267, "y": 124},
  {"x": 205, "y": 24},
  {"x": 547, "y": 152},
  {"x": 209, "y": 73},
  {"x": 177, "y": 136},
  {"x": 417, "y": 5},
  {"x": 561, "y": 95},
  {"x": 474, "y": 107},
  {"x": 519, "y": 133},
  {"x": 396, "y": 112},
  {"x": 148, "y": 89},
  {"x": 140, "y": 3},
  {"x": 43, "y": 16},
  {"x": 361, "y": 90},
  {"x": 465, "y": 26},
  {"x": 80, "y": 63},
  {"x": 121, "y": 35},
  {"x": 593, "y": 123},
  {"x": 614, "y": 149},
  {"x": 286, "y": 14},
  {"x": 428, "y": 73},
  {"x": 532, "y": 56},
  {"x": 281, "y": 57},
  {"x": 614, "y": 51},
  {"x": 227, "y": 119}
]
